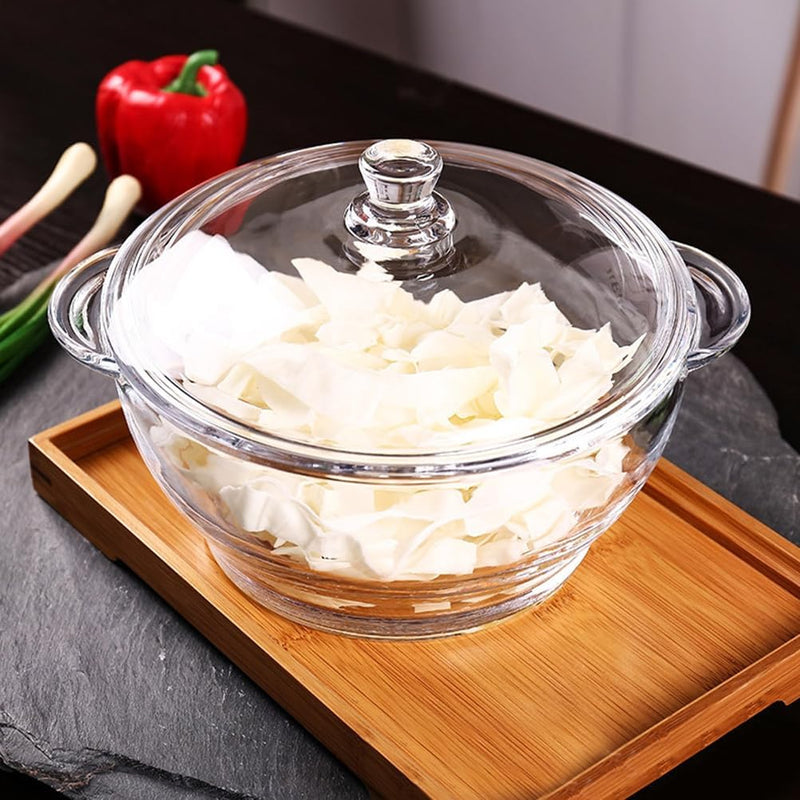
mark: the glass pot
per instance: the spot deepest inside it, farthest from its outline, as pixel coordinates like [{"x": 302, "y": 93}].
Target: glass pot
[{"x": 433, "y": 538}]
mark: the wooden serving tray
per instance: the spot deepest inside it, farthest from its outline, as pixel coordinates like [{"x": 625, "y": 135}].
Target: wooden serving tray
[{"x": 682, "y": 622}]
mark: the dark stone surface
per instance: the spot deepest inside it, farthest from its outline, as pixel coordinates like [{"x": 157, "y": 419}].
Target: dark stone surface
[
  {"x": 727, "y": 435},
  {"x": 106, "y": 692}
]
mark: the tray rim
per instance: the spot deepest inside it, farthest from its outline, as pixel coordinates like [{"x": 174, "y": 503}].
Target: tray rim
[{"x": 775, "y": 677}]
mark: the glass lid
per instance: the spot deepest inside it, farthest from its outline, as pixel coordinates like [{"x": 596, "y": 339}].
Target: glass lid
[{"x": 400, "y": 301}]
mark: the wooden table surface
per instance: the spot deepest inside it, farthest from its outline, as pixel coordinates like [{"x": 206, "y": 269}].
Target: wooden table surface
[{"x": 304, "y": 90}]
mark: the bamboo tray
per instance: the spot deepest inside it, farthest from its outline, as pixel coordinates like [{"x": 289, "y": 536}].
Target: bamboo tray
[{"x": 682, "y": 622}]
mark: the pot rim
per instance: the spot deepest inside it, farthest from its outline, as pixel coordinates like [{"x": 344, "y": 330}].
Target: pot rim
[{"x": 676, "y": 329}]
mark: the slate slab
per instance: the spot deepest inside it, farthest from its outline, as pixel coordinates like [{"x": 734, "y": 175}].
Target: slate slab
[{"x": 106, "y": 692}]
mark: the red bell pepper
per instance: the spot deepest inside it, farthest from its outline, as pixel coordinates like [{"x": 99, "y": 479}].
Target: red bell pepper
[{"x": 172, "y": 123}]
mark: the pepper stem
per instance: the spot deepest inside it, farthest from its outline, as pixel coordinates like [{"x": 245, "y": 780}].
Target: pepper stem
[{"x": 186, "y": 82}]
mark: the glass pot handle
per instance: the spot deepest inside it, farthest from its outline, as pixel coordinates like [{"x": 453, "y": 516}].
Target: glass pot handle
[
  {"x": 72, "y": 312},
  {"x": 724, "y": 307},
  {"x": 400, "y": 222}
]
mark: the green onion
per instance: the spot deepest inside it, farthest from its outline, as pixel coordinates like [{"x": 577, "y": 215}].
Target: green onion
[{"x": 24, "y": 327}]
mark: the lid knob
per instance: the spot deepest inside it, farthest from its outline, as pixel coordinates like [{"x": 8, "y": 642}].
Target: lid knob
[
  {"x": 400, "y": 172},
  {"x": 400, "y": 222}
]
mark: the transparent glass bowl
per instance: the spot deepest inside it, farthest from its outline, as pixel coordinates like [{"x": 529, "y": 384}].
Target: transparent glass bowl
[
  {"x": 366, "y": 604},
  {"x": 512, "y": 554}
]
